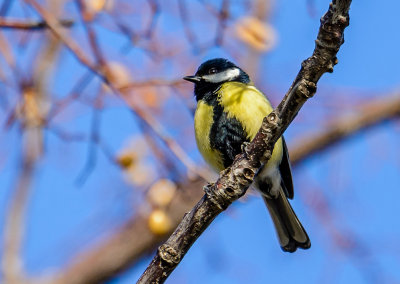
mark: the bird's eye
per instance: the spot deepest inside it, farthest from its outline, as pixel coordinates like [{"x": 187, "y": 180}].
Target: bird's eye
[{"x": 212, "y": 71}]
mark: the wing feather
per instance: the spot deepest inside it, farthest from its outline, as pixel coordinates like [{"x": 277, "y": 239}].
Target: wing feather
[{"x": 286, "y": 171}]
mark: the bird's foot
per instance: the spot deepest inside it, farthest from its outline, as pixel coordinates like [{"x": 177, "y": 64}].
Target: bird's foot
[{"x": 244, "y": 145}]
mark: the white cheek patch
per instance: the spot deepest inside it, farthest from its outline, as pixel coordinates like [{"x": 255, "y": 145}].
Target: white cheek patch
[{"x": 227, "y": 75}]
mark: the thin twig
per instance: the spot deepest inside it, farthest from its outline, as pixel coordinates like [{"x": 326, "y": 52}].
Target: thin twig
[
  {"x": 7, "y": 23},
  {"x": 54, "y": 26},
  {"x": 223, "y": 16},
  {"x": 93, "y": 141},
  {"x": 152, "y": 83},
  {"x": 190, "y": 35},
  {"x": 154, "y": 16},
  {"x": 32, "y": 138},
  {"x": 73, "y": 95},
  {"x": 12, "y": 265}
]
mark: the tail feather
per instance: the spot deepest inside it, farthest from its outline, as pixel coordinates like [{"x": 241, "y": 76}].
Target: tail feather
[{"x": 291, "y": 233}]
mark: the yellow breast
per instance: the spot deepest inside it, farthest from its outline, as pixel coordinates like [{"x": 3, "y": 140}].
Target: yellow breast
[
  {"x": 243, "y": 102},
  {"x": 203, "y": 120}
]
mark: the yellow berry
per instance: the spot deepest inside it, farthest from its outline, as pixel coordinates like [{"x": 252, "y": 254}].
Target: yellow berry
[
  {"x": 159, "y": 222},
  {"x": 162, "y": 192},
  {"x": 97, "y": 6},
  {"x": 126, "y": 160}
]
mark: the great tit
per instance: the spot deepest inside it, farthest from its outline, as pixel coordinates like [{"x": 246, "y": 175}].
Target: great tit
[{"x": 229, "y": 112}]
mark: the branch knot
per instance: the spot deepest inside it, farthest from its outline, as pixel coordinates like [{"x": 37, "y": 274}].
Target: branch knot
[
  {"x": 221, "y": 198},
  {"x": 169, "y": 254},
  {"x": 306, "y": 88}
]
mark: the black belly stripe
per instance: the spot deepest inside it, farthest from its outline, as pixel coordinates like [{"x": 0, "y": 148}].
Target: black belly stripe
[{"x": 226, "y": 134}]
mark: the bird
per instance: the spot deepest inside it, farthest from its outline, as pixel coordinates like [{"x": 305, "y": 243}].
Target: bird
[{"x": 229, "y": 113}]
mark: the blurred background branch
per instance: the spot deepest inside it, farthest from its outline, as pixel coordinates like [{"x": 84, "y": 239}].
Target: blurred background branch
[
  {"x": 362, "y": 117},
  {"x": 29, "y": 25}
]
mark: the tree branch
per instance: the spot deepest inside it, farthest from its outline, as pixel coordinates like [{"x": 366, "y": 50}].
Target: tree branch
[
  {"x": 235, "y": 180},
  {"x": 369, "y": 115},
  {"x": 30, "y": 25},
  {"x": 12, "y": 265}
]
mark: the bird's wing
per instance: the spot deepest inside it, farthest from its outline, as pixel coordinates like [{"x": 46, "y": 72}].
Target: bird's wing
[{"x": 286, "y": 171}]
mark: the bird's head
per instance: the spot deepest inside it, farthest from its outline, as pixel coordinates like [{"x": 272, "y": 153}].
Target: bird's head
[{"x": 214, "y": 72}]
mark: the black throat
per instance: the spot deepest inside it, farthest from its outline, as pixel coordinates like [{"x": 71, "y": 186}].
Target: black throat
[{"x": 203, "y": 89}]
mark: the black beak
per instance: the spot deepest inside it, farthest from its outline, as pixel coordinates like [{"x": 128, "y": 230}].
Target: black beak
[{"x": 193, "y": 79}]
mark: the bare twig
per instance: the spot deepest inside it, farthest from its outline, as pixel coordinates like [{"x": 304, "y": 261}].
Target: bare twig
[
  {"x": 190, "y": 35},
  {"x": 93, "y": 141},
  {"x": 171, "y": 144},
  {"x": 155, "y": 12},
  {"x": 85, "y": 14},
  {"x": 12, "y": 265},
  {"x": 54, "y": 26},
  {"x": 222, "y": 18},
  {"x": 6, "y": 23},
  {"x": 235, "y": 180},
  {"x": 152, "y": 83},
  {"x": 7, "y": 52},
  {"x": 74, "y": 94}
]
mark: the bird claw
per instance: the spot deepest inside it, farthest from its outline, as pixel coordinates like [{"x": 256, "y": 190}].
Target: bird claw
[{"x": 244, "y": 145}]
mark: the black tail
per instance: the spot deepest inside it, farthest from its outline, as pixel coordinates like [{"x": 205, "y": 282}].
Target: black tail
[{"x": 291, "y": 233}]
